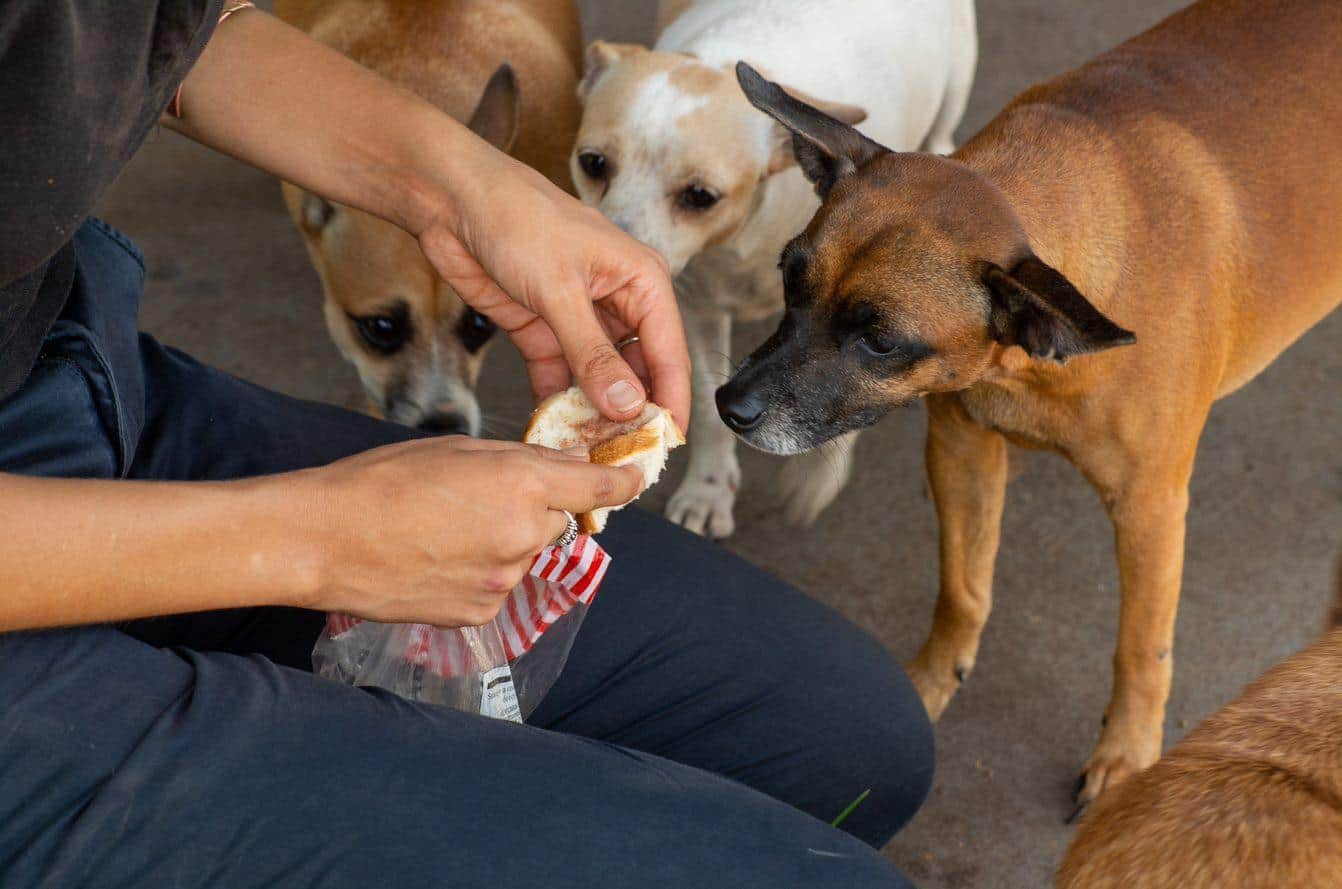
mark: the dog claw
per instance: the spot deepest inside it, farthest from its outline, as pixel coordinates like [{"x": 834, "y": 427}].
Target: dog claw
[
  {"x": 1079, "y": 804},
  {"x": 1110, "y": 765}
]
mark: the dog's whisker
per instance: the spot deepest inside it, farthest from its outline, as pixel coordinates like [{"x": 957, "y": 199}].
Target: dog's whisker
[{"x": 829, "y": 454}]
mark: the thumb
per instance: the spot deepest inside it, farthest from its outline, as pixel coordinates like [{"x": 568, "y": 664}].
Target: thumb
[{"x": 609, "y": 382}]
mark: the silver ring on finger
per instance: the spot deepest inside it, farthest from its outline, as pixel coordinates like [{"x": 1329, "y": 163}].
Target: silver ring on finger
[
  {"x": 570, "y": 533},
  {"x": 627, "y": 341}
]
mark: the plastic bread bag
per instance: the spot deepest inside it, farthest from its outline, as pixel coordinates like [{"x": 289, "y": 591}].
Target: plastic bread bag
[
  {"x": 502, "y": 669},
  {"x": 506, "y": 667}
]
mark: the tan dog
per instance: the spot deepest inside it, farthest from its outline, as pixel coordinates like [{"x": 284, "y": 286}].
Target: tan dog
[
  {"x": 510, "y": 68},
  {"x": 1187, "y": 184},
  {"x": 1252, "y": 798}
]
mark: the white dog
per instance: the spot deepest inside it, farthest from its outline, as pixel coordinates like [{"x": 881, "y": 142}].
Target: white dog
[{"x": 671, "y": 151}]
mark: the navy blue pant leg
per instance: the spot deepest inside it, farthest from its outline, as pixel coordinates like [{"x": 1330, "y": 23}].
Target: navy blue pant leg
[
  {"x": 124, "y": 765},
  {"x": 691, "y": 653}
]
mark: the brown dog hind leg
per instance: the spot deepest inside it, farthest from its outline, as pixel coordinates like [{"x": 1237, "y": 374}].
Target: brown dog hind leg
[{"x": 967, "y": 468}]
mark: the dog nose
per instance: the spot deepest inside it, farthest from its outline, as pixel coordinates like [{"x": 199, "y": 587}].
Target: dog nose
[
  {"x": 741, "y": 411},
  {"x": 450, "y": 423}
]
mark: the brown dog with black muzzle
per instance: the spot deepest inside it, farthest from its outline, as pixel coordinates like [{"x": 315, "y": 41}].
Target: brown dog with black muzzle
[
  {"x": 510, "y": 69},
  {"x": 1177, "y": 197}
]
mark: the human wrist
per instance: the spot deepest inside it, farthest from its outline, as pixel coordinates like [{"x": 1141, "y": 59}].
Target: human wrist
[
  {"x": 460, "y": 183},
  {"x": 280, "y": 524},
  {"x": 443, "y": 174}
]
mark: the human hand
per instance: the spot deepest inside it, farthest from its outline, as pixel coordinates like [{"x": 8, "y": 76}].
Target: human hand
[
  {"x": 565, "y": 284},
  {"x": 439, "y": 530}
]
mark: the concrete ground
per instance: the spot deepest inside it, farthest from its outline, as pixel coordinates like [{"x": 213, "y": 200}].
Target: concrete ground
[{"x": 230, "y": 283}]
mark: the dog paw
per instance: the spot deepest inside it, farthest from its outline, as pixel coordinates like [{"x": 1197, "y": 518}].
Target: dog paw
[
  {"x": 1112, "y": 763},
  {"x": 935, "y": 684},
  {"x": 704, "y": 506},
  {"x": 809, "y": 483}
]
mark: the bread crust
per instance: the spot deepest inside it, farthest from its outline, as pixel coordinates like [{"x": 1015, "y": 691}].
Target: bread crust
[{"x": 568, "y": 419}]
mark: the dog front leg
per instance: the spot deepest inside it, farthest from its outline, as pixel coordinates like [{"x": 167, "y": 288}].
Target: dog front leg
[
  {"x": 967, "y": 468},
  {"x": 1148, "y": 516},
  {"x": 704, "y": 501}
]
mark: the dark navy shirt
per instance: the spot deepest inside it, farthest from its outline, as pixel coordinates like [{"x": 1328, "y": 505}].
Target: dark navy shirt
[{"x": 82, "y": 83}]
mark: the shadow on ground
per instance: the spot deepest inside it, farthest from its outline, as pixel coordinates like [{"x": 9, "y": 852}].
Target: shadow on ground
[{"x": 229, "y": 282}]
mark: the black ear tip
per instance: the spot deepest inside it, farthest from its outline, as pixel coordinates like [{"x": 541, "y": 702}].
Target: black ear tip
[
  {"x": 505, "y": 74},
  {"x": 1116, "y": 335},
  {"x": 751, "y": 81},
  {"x": 761, "y": 92}
]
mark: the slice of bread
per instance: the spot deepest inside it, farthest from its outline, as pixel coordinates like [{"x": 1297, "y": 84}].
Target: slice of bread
[{"x": 568, "y": 420}]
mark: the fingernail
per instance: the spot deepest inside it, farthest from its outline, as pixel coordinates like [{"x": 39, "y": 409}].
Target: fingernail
[
  {"x": 623, "y": 396},
  {"x": 577, "y": 451}
]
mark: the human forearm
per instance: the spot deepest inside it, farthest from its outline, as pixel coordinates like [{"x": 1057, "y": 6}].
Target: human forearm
[
  {"x": 272, "y": 97},
  {"x": 76, "y": 551},
  {"x": 557, "y": 276},
  {"x": 433, "y": 531}
]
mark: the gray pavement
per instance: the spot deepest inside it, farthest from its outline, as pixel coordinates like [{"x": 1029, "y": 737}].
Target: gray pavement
[{"x": 230, "y": 283}]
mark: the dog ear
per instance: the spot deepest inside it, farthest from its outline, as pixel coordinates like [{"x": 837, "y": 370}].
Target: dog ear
[
  {"x": 826, "y": 148},
  {"x": 785, "y": 155},
  {"x": 600, "y": 56},
  {"x": 317, "y": 212},
  {"x": 1036, "y": 308},
  {"x": 497, "y": 113}
]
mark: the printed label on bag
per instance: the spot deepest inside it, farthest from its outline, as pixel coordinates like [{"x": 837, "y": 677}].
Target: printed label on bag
[{"x": 498, "y": 696}]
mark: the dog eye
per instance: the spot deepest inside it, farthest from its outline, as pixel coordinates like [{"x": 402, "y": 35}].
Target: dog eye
[
  {"x": 697, "y": 198},
  {"x": 909, "y": 351},
  {"x": 387, "y": 334},
  {"x": 878, "y": 345},
  {"x": 593, "y": 164},
  {"x": 474, "y": 330},
  {"x": 317, "y": 212}
]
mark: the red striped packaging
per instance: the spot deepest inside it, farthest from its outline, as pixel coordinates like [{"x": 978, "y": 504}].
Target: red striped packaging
[{"x": 561, "y": 578}]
